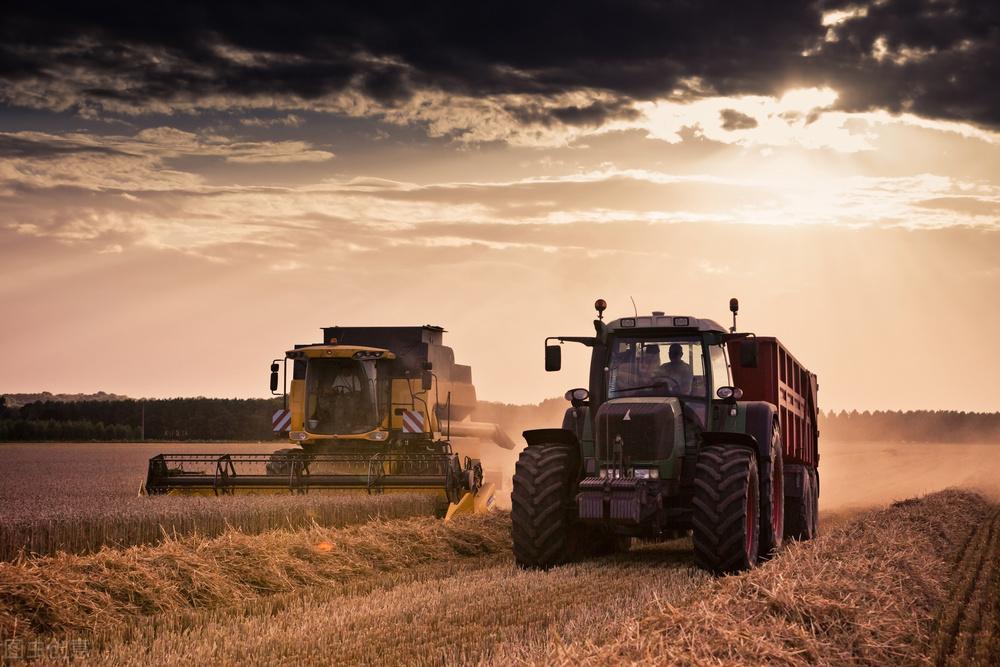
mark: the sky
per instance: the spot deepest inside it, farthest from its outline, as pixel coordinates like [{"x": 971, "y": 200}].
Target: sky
[{"x": 186, "y": 191}]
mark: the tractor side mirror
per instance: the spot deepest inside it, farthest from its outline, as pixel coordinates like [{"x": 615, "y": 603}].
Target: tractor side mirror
[
  {"x": 426, "y": 380},
  {"x": 274, "y": 378},
  {"x": 553, "y": 357},
  {"x": 749, "y": 352}
]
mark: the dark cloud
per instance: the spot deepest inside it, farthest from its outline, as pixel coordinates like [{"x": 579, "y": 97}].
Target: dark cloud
[
  {"x": 734, "y": 120},
  {"x": 12, "y": 146},
  {"x": 937, "y": 59}
]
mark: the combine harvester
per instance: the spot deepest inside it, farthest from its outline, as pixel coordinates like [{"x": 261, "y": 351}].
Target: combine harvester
[
  {"x": 372, "y": 409},
  {"x": 684, "y": 426}
]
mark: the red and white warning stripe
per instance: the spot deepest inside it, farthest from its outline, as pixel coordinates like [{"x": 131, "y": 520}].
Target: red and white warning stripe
[
  {"x": 280, "y": 420},
  {"x": 413, "y": 421}
]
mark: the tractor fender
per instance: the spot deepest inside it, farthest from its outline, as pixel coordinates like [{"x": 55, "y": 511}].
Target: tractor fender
[
  {"x": 761, "y": 417},
  {"x": 559, "y": 436}
]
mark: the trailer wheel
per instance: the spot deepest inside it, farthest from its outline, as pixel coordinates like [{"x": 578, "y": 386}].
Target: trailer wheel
[
  {"x": 772, "y": 498},
  {"x": 814, "y": 476},
  {"x": 544, "y": 530},
  {"x": 725, "y": 520},
  {"x": 801, "y": 511}
]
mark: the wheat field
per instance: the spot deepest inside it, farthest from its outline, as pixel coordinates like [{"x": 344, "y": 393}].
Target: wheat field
[
  {"x": 915, "y": 582},
  {"x": 890, "y": 586}
]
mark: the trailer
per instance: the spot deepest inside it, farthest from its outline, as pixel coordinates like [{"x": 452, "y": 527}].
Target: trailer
[{"x": 780, "y": 379}]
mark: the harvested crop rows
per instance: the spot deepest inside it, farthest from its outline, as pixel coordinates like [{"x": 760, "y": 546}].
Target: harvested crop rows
[
  {"x": 419, "y": 591},
  {"x": 968, "y": 629}
]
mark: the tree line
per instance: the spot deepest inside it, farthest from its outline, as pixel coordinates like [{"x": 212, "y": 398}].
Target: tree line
[
  {"x": 250, "y": 419},
  {"x": 130, "y": 420},
  {"x": 910, "y": 426}
]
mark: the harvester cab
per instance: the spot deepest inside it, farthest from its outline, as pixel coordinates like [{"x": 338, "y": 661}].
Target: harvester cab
[
  {"x": 373, "y": 409},
  {"x": 670, "y": 436}
]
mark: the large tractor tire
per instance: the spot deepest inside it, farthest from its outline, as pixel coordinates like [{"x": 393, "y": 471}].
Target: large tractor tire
[
  {"x": 772, "y": 498},
  {"x": 725, "y": 520},
  {"x": 802, "y": 512},
  {"x": 543, "y": 510}
]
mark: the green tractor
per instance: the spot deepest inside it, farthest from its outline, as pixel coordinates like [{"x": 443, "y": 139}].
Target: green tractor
[{"x": 666, "y": 440}]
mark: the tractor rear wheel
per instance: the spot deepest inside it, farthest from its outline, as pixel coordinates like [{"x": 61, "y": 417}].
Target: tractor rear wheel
[
  {"x": 725, "y": 520},
  {"x": 543, "y": 511},
  {"x": 772, "y": 498}
]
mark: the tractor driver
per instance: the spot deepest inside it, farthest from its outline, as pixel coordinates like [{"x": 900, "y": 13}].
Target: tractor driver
[{"x": 677, "y": 372}]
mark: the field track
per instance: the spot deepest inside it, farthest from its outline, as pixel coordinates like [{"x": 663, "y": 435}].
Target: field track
[{"x": 968, "y": 629}]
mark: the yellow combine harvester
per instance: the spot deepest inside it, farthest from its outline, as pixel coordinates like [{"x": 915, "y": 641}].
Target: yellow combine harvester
[{"x": 372, "y": 409}]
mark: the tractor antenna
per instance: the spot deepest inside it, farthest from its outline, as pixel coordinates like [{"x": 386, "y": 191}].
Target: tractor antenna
[{"x": 636, "y": 310}]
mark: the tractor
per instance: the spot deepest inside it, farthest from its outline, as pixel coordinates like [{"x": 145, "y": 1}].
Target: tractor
[{"x": 684, "y": 426}]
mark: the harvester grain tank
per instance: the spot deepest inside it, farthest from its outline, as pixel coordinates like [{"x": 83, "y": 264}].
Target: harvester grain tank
[
  {"x": 371, "y": 409},
  {"x": 685, "y": 425}
]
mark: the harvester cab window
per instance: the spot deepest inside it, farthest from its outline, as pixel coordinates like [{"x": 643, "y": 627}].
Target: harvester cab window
[{"x": 341, "y": 396}]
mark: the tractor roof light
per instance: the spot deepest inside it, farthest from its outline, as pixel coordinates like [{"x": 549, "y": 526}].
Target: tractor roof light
[{"x": 600, "y": 306}]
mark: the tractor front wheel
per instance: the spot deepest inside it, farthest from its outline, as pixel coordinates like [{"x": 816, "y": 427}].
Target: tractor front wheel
[
  {"x": 544, "y": 530},
  {"x": 725, "y": 519}
]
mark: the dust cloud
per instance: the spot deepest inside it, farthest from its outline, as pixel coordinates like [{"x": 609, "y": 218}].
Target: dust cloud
[
  {"x": 853, "y": 475},
  {"x": 860, "y": 474}
]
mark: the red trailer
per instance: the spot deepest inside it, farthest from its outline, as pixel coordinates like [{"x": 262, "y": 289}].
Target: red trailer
[{"x": 780, "y": 379}]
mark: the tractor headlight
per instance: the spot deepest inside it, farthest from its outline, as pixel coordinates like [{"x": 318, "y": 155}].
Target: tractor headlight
[
  {"x": 378, "y": 435},
  {"x": 642, "y": 473},
  {"x": 298, "y": 435},
  {"x": 603, "y": 473}
]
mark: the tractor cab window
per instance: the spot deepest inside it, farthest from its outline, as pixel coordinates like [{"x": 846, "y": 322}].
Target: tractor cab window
[
  {"x": 341, "y": 396},
  {"x": 668, "y": 367},
  {"x": 720, "y": 369}
]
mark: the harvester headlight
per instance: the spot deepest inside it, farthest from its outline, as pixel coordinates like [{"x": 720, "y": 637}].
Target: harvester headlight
[
  {"x": 298, "y": 435},
  {"x": 378, "y": 435}
]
